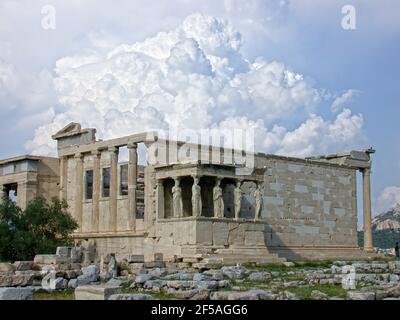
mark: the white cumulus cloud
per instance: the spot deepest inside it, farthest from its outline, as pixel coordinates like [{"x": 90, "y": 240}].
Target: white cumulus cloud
[
  {"x": 388, "y": 199},
  {"x": 344, "y": 100},
  {"x": 196, "y": 77}
]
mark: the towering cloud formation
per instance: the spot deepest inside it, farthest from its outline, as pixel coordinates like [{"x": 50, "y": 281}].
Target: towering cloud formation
[{"x": 194, "y": 77}]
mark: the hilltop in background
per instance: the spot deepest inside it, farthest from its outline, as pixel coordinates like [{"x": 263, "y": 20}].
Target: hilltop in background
[{"x": 385, "y": 229}]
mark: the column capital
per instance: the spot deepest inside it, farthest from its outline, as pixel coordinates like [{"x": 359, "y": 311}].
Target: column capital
[
  {"x": 113, "y": 149},
  {"x": 132, "y": 145},
  {"x": 79, "y": 155},
  {"x": 96, "y": 153},
  {"x": 367, "y": 171}
]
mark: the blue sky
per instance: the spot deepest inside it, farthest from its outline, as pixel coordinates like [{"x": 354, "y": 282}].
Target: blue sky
[{"x": 39, "y": 86}]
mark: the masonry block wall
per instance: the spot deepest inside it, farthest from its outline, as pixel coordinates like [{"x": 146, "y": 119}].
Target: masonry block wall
[{"x": 309, "y": 204}]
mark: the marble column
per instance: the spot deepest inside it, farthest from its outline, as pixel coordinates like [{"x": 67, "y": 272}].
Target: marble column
[
  {"x": 354, "y": 198},
  {"x": 160, "y": 200},
  {"x": 132, "y": 184},
  {"x": 63, "y": 177},
  {"x": 96, "y": 190},
  {"x": 113, "y": 187},
  {"x": 78, "y": 195},
  {"x": 368, "y": 246}
]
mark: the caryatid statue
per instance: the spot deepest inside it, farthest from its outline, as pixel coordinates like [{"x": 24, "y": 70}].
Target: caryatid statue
[
  {"x": 238, "y": 194},
  {"x": 177, "y": 199},
  {"x": 218, "y": 200},
  {"x": 258, "y": 196},
  {"x": 196, "y": 197}
]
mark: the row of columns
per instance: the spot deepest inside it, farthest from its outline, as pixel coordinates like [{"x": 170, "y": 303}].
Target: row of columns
[
  {"x": 218, "y": 201},
  {"x": 113, "y": 195}
]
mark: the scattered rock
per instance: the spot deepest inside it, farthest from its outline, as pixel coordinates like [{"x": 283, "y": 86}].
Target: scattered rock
[
  {"x": 359, "y": 295},
  {"x": 6, "y": 267},
  {"x": 259, "y": 276},
  {"x": 318, "y": 295},
  {"x": 142, "y": 278},
  {"x": 336, "y": 269},
  {"x": 182, "y": 294},
  {"x": 91, "y": 273},
  {"x": 234, "y": 273},
  {"x": 73, "y": 283},
  {"x": 118, "y": 282},
  {"x": 129, "y": 296},
  {"x": 349, "y": 282},
  {"x": 288, "y": 264},
  {"x": 23, "y": 265},
  {"x": 287, "y": 295},
  {"x": 200, "y": 277},
  {"x": 394, "y": 278},
  {"x": 14, "y": 280},
  {"x": 52, "y": 282},
  {"x": 224, "y": 284},
  {"x": 201, "y": 295},
  {"x": 255, "y": 294},
  {"x": 95, "y": 292},
  {"x": 181, "y": 284},
  {"x": 16, "y": 293}
]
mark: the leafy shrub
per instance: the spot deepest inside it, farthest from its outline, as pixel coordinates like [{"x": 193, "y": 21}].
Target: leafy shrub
[{"x": 40, "y": 228}]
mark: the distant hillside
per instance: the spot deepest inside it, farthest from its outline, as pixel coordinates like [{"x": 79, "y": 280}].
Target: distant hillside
[{"x": 385, "y": 229}]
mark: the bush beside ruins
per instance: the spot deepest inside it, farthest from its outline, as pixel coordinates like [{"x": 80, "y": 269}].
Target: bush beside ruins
[{"x": 40, "y": 228}]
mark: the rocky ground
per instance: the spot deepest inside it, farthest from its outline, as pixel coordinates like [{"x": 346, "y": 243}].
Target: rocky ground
[{"x": 52, "y": 277}]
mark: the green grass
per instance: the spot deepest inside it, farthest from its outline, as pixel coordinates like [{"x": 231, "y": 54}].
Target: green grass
[
  {"x": 331, "y": 290},
  {"x": 55, "y": 295},
  {"x": 313, "y": 264},
  {"x": 159, "y": 295},
  {"x": 267, "y": 267}
]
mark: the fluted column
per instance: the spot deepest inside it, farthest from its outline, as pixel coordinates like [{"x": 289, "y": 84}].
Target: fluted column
[
  {"x": 113, "y": 187},
  {"x": 132, "y": 184},
  {"x": 96, "y": 190},
  {"x": 78, "y": 189},
  {"x": 368, "y": 245},
  {"x": 63, "y": 177}
]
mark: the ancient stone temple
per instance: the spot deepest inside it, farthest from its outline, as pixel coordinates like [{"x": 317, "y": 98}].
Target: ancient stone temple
[{"x": 209, "y": 205}]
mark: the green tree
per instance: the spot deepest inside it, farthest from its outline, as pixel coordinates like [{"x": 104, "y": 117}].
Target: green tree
[{"x": 40, "y": 228}]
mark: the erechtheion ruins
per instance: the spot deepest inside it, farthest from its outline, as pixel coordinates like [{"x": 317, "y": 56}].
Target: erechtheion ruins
[{"x": 208, "y": 206}]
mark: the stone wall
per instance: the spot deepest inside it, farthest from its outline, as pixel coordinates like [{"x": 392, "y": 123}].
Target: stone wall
[
  {"x": 39, "y": 178},
  {"x": 306, "y": 204}
]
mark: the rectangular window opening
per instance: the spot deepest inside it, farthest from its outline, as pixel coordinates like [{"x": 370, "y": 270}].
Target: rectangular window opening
[
  {"x": 89, "y": 185},
  {"x": 106, "y": 182}
]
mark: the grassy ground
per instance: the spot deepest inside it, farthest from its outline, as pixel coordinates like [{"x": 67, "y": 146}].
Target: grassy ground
[
  {"x": 331, "y": 290},
  {"x": 157, "y": 295},
  {"x": 56, "y": 295}
]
